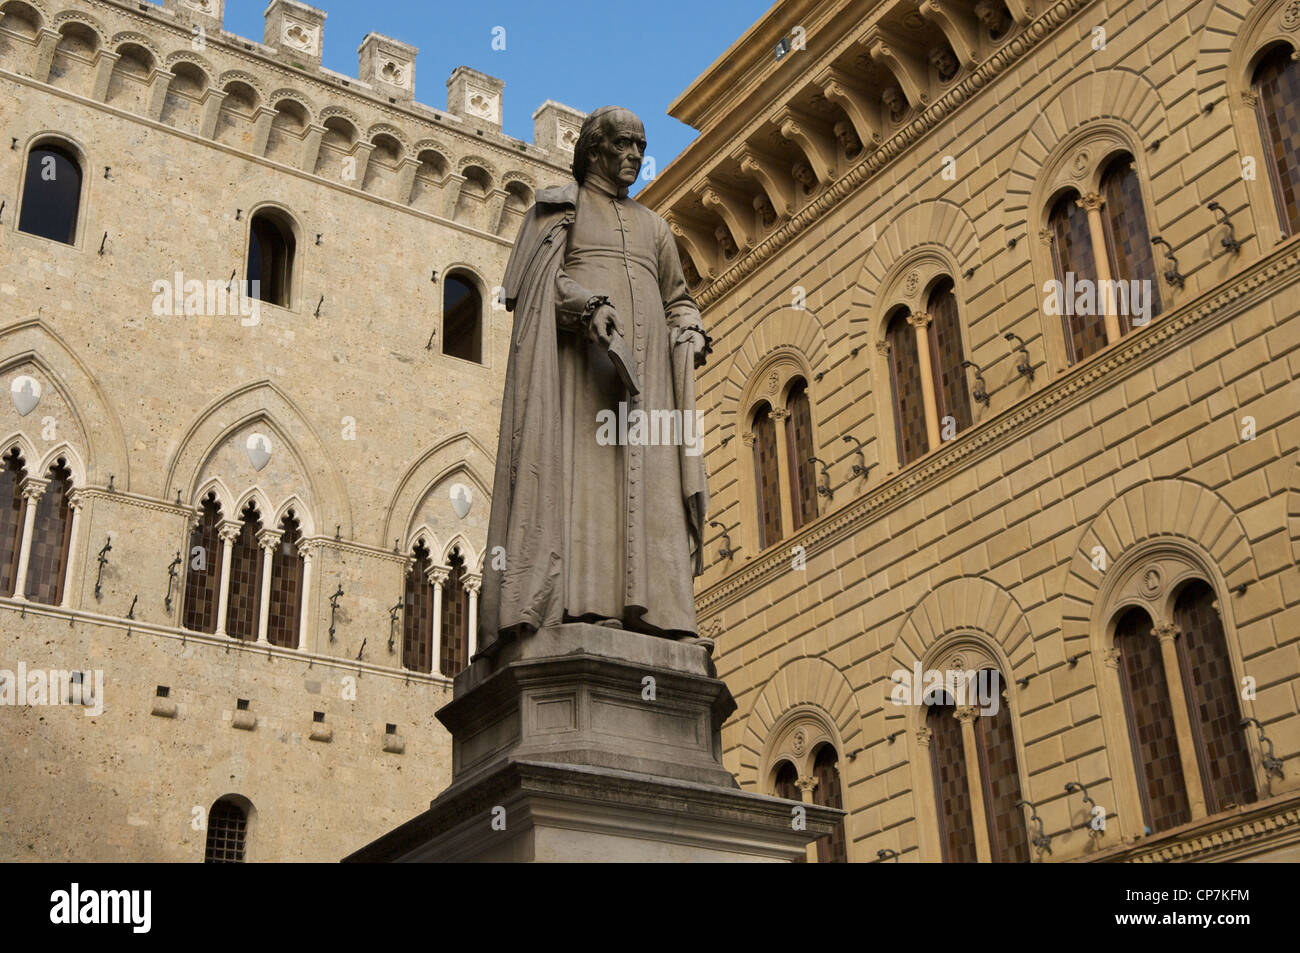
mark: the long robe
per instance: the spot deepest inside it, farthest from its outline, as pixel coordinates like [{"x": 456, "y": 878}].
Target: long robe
[{"x": 581, "y": 527}]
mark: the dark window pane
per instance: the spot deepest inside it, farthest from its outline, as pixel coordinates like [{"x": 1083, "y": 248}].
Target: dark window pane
[
  {"x": 767, "y": 478},
  {"x": 11, "y": 519},
  {"x": 227, "y": 830},
  {"x": 1151, "y": 724},
  {"x": 784, "y": 787},
  {"x": 417, "y": 617},
  {"x": 244, "y": 604},
  {"x": 271, "y": 249},
  {"x": 200, "y": 614},
  {"x": 1085, "y": 334},
  {"x": 1211, "y": 689},
  {"x": 462, "y": 317},
  {"x": 1277, "y": 85},
  {"x": 1000, "y": 777},
  {"x": 946, "y": 355},
  {"x": 286, "y": 586},
  {"x": 905, "y": 379},
  {"x": 50, "y": 536},
  {"x": 1127, "y": 239},
  {"x": 51, "y": 194},
  {"x": 951, "y": 786},
  {"x": 832, "y": 848},
  {"x": 800, "y": 449},
  {"x": 455, "y": 620}
]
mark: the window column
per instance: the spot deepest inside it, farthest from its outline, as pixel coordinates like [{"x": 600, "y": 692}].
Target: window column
[
  {"x": 268, "y": 539},
  {"x": 921, "y": 322},
  {"x": 33, "y": 489},
  {"x": 471, "y": 585},
  {"x": 966, "y": 715},
  {"x": 1092, "y": 203},
  {"x": 805, "y": 784},
  {"x": 782, "y": 418},
  {"x": 438, "y": 577},
  {"x": 74, "y": 509},
  {"x": 305, "y": 554},
  {"x": 229, "y": 532},
  {"x": 1166, "y": 633}
]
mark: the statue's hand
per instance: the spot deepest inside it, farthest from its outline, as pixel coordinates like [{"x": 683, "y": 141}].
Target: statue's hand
[
  {"x": 696, "y": 340},
  {"x": 603, "y": 326}
]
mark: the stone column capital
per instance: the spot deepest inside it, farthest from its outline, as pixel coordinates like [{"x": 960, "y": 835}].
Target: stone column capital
[
  {"x": 882, "y": 348},
  {"x": 1090, "y": 201},
  {"x": 472, "y": 583},
  {"x": 924, "y": 736},
  {"x": 268, "y": 539},
  {"x": 919, "y": 320},
  {"x": 304, "y": 550},
  {"x": 806, "y": 783},
  {"x": 33, "y": 488},
  {"x": 76, "y": 500},
  {"x": 1165, "y": 631},
  {"x": 1111, "y": 658},
  {"x": 229, "y": 530},
  {"x": 748, "y": 439},
  {"x": 966, "y": 713},
  {"x": 779, "y": 413},
  {"x": 438, "y": 576}
]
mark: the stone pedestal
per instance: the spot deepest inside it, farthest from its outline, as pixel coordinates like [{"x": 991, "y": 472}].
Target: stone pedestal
[{"x": 584, "y": 743}]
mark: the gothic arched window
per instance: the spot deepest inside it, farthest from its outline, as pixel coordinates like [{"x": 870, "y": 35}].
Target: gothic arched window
[
  {"x": 50, "y": 537},
  {"x": 462, "y": 319},
  {"x": 417, "y": 615},
  {"x": 227, "y": 833},
  {"x": 455, "y": 619},
  {"x": 271, "y": 248},
  {"x": 767, "y": 477},
  {"x": 1000, "y": 774},
  {"x": 831, "y": 849},
  {"x": 1211, "y": 689},
  {"x": 286, "y": 586},
  {"x": 11, "y": 519},
  {"x": 946, "y": 355},
  {"x": 801, "y": 450},
  {"x": 1085, "y": 334},
  {"x": 905, "y": 382},
  {"x": 244, "y": 602},
  {"x": 51, "y": 193},
  {"x": 203, "y": 575},
  {"x": 1152, "y": 734},
  {"x": 1277, "y": 90},
  {"x": 783, "y": 786},
  {"x": 951, "y": 783},
  {"x": 1128, "y": 241}
]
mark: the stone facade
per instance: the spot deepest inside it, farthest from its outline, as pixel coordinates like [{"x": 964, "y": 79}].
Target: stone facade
[
  {"x": 836, "y": 186},
  {"x": 184, "y": 133}
]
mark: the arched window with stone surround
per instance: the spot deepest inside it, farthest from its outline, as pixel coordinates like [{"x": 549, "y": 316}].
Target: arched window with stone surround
[
  {"x": 1152, "y": 732},
  {"x": 946, "y": 354},
  {"x": 784, "y": 786},
  {"x": 1211, "y": 690},
  {"x": 51, "y": 535},
  {"x": 51, "y": 193},
  {"x": 12, "y": 474},
  {"x": 767, "y": 476},
  {"x": 227, "y": 837},
  {"x": 951, "y": 781},
  {"x": 454, "y": 654},
  {"x": 271, "y": 248},
  {"x": 906, "y": 388},
  {"x": 462, "y": 318},
  {"x": 287, "y": 577},
  {"x": 1073, "y": 259},
  {"x": 1128, "y": 240},
  {"x": 1276, "y": 84},
  {"x": 827, "y": 792},
  {"x": 203, "y": 572},
  {"x": 417, "y": 617},
  {"x": 244, "y": 598},
  {"x": 800, "y": 451}
]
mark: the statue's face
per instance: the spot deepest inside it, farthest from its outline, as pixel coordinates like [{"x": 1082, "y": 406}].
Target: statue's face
[{"x": 619, "y": 156}]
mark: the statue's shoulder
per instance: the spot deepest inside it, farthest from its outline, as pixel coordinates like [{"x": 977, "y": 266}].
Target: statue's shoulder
[{"x": 556, "y": 196}]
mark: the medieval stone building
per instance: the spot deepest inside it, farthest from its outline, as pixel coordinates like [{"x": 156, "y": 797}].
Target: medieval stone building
[
  {"x": 254, "y": 357},
  {"x": 944, "y": 438}
]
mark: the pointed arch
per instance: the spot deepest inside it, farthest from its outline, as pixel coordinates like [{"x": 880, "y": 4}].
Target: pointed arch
[
  {"x": 68, "y": 453},
  {"x": 32, "y": 342},
  {"x": 460, "y": 451},
  {"x": 264, "y": 404}
]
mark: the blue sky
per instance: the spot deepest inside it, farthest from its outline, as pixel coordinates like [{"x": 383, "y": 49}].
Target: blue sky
[{"x": 582, "y": 53}]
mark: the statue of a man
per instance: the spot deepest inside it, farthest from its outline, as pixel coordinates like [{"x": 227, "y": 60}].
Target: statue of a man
[{"x": 590, "y": 521}]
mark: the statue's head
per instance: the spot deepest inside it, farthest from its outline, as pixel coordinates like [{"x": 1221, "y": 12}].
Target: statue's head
[{"x": 611, "y": 140}]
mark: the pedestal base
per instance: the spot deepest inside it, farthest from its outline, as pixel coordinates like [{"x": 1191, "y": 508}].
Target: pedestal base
[{"x": 585, "y": 743}]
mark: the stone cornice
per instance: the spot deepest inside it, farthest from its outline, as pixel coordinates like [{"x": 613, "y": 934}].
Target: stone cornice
[
  {"x": 1132, "y": 353},
  {"x": 91, "y": 493},
  {"x": 873, "y": 160}
]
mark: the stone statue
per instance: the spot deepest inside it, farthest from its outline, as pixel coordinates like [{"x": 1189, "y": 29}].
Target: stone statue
[
  {"x": 944, "y": 62},
  {"x": 848, "y": 139},
  {"x": 994, "y": 17},
  {"x": 725, "y": 242},
  {"x": 599, "y": 497},
  {"x": 895, "y": 104},
  {"x": 804, "y": 175},
  {"x": 766, "y": 213}
]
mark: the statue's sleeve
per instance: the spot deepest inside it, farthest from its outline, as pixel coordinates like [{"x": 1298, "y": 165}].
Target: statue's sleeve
[
  {"x": 679, "y": 305},
  {"x": 570, "y": 302}
]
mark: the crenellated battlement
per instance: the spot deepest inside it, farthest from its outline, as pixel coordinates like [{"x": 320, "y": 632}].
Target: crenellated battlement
[{"x": 176, "y": 64}]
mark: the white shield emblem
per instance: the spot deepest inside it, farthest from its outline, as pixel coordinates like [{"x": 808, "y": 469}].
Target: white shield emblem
[
  {"x": 461, "y": 499},
  {"x": 259, "y": 450},
  {"x": 26, "y": 394}
]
